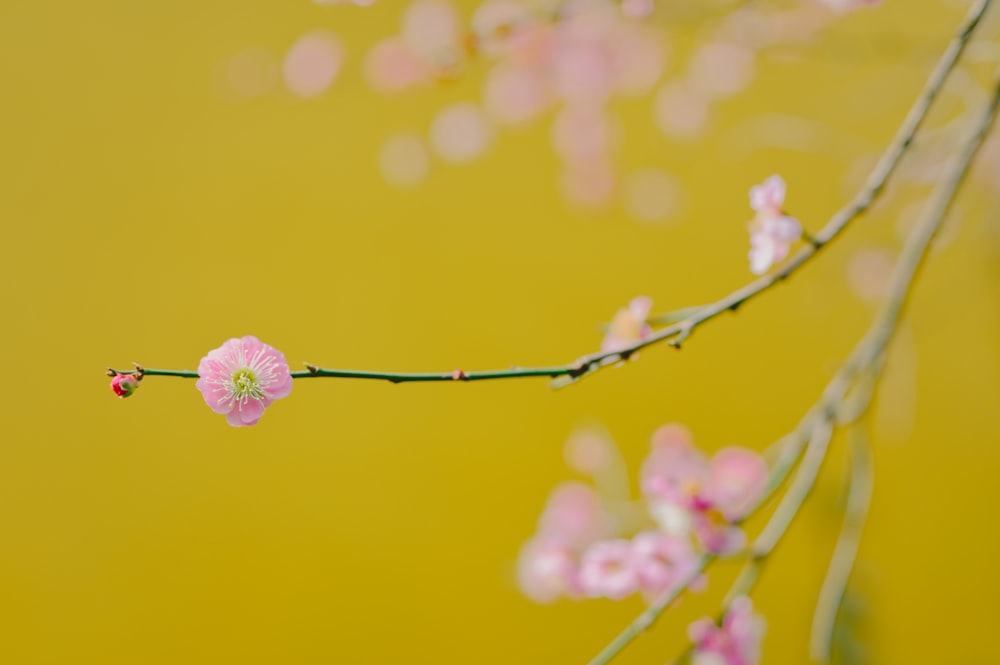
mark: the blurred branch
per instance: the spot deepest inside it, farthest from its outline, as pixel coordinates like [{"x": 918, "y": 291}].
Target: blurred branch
[
  {"x": 866, "y": 357},
  {"x": 845, "y": 552}
]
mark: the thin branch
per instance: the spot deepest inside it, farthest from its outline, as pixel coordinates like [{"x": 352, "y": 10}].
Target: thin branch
[
  {"x": 681, "y": 330},
  {"x": 866, "y": 356},
  {"x": 845, "y": 552}
]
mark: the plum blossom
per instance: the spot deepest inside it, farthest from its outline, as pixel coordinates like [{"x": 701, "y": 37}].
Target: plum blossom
[
  {"x": 607, "y": 569},
  {"x": 546, "y": 570},
  {"x": 661, "y": 560},
  {"x": 687, "y": 492},
  {"x": 629, "y": 325},
  {"x": 772, "y": 232},
  {"x": 124, "y": 385},
  {"x": 243, "y": 377},
  {"x": 736, "y": 642},
  {"x": 573, "y": 520}
]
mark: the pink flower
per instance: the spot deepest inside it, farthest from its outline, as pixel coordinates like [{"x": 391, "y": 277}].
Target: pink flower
[
  {"x": 629, "y": 325},
  {"x": 124, "y": 384},
  {"x": 688, "y": 492},
  {"x": 661, "y": 561},
  {"x": 573, "y": 516},
  {"x": 772, "y": 232},
  {"x": 241, "y": 378},
  {"x": 736, "y": 642},
  {"x": 546, "y": 569},
  {"x": 607, "y": 570}
]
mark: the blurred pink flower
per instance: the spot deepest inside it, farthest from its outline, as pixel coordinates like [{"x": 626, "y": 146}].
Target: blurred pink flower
[
  {"x": 629, "y": 325},
  {"x": 736, "y": 642},
  {"x": 607, "y": 570},
  {"x": 546, "y": 569},
  {"x": 772, "y": 232},
  {"x": 431, "y": 27},
  {"x": 391, "y": 66},
  {"x": 637, "y": 8},
  {"x": 661, "y": 560},
  {"x": 514, "y": 95},
  {"x": 590, "y": 183},
  {"x": 573, "y": 515},
  {"x": 312, "y": 63},
  {"x": 243, "y": 377},
  {"x": 124, "y": 385},
  {"x": 687, "y": 492}
]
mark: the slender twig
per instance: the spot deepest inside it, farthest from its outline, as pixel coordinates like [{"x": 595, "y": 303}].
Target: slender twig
[
  {"x": 681, "y": 330},
  {"x": 845, "y": 552},
  {"x": 866, "y": 356}
]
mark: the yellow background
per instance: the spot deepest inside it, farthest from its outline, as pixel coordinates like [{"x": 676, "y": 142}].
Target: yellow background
[{"x": 146, "y": 218}]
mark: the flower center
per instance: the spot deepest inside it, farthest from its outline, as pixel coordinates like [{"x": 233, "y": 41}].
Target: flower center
[{"x": 244, "y": 385}]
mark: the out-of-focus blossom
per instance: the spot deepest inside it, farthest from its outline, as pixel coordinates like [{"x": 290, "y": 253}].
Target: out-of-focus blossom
[
  {"x": 546, "y": 570},
  {"x": 661, "y": 561},
  {"x": 847, "y": 5},
  {"x": 589, "y": 452},
  {"x": 590, "y": 183},
  {"x": 629, "y": 325},
  {"x": 736, "y": 642},
  {"x": 515, "y": 95},
  {"x": 243, "y": 377},
  {"x": 581, "y": 133},
  {"x": 651, "y": 195},
  {"x": 721, "y": 69},
  {"x": 637, "y": 8},
  {"x": 431, "y": 28},
  {"x": 391, "y": 66},
  {"x": 124, "y": 385},
  {"x": 404, "y": 161},
  {"x": 574, "y": 516},
  {"x": 460, "y": 133},
  {"x": 681, "y": 111},
  {"x": 772, "y": 232},
  {"x": 687, "y": 492},
  {"x": 312, "y": 63},
  {"x": 607, "y": 569}
]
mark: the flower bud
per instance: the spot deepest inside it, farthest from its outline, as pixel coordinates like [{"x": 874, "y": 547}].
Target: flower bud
[{"x": 124, "y": 384}]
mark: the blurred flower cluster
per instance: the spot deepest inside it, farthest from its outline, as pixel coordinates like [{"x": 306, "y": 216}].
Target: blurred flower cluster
[{"x": 598, "y": 543}]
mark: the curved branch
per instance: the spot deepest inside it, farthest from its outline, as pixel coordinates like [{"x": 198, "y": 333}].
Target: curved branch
[
  {"x": 866, "y": 356},
  {"x": 681, "y": 330}
]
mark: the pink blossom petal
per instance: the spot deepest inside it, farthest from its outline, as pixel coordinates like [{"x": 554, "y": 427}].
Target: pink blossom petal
[
  {"x": 607, "y": 570},
  {"x": 736, "y": 478},
  {"x": 391, "y": 66},
  {"x": 581, "y": 132},
  {"x": 515, "y": 95},
  {"x": 573, "y": 515},
  {"x": 546, "y": 570},
  {"x": 722, "y": 69},
  {"x": 312, "y": 64},
  {"x": 461, "y": 133},
  {"x": 589, "y": 184},
  {"x": 430, "y": 27},
  {"x": 681, "y": 112},
  {"x": 769, "y": 196},
  {"x": 404, "y": 160}
]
